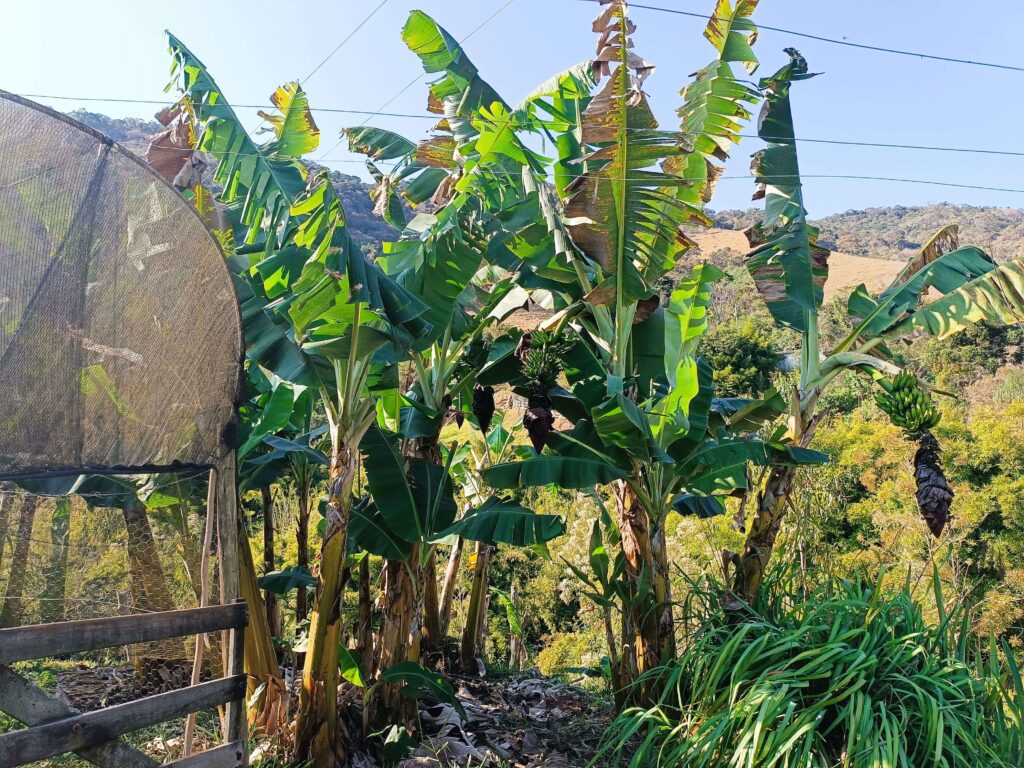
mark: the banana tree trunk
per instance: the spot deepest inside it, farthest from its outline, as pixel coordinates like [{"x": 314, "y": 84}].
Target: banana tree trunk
[
  {"x": 316, "y": 733},
  {"x": 267, "y": 713},
  {"x": 448, "y": 587},
  {"x": 401, "y": 638},
  {"x": 764, "y": 530},
  {"x": 643, "y": 608},
  {"x": 157, "y": 661},
  {"x": 614, "y": 661},
  {"x": 52, "y": 608},
  {"x": 481, "y": 623},
  {"x": 149, "y": 587},
  {"x": 10, "y": 615},
  {"x": 273, "y": 611},
  {"x": 663, "y": 593},
  {"x": 772, "y": 501},
  {"x": 516, "y": 650},
  {"x": 6, "y": 505},
  {"x": 471, "y": 632},
  {"x": 428, "y": 449},
  {"x": 191, "y": 551},
  {"x": 364, "y": 630},
  {"x": 431, "y": 610},
  {"x": 302, "y": 541}
]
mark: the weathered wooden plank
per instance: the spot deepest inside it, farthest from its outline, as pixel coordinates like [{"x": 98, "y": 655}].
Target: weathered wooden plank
[
  {"x": 226, "y": 495},
  {"x": 227, "y": 528},
  {"x": 235, "y": 710},
  {"x": 72, "y": 734},
  {"x": 229, "y": 756},
  {"x": 39, "y": 641},
  {"x": 30, "y": 705}
]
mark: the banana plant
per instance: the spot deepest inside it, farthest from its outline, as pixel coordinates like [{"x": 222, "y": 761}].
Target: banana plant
[
  {"x": 625, "y": 189},
  {"x": 790, "y": 269},
  {"x": 488, "y": 521},
  {"x": 409, "y": 510},
  {"x": 659, "y": 456},
  {"x": 451, "y": 257},
  {"x": 336, "y": 318},
  {"x": 288, "y": 450},
  {"x": 409, "y": 500}
]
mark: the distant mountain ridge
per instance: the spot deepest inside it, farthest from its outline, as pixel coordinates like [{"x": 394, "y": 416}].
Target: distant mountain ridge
[
  {"x": 897, "y": 232},
  {"x": 893, "y": 233}
]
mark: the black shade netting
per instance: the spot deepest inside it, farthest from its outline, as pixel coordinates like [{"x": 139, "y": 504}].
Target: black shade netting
[{"x": 120, "y": 339}]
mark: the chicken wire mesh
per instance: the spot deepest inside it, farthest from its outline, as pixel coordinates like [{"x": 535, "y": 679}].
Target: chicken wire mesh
[
  {"x": 101, "y": 554},
  {"x": 120, "y": 339}
]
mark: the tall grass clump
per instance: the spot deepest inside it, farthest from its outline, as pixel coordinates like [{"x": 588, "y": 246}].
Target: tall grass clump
[{"x": 845, "y": 674}]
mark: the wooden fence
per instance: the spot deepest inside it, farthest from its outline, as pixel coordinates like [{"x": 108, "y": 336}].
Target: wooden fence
[{"x": 53, "y": 728}]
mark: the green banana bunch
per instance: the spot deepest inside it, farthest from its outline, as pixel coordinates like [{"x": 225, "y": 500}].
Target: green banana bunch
[{"x": 908, "y": 405}]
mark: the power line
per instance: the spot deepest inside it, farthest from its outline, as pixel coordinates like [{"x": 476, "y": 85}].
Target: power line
[
  {"x": 832, "y": 40},
  {"x": 854, "y": 177},
  {"x": 378, "y": 113},
  {"x": 415, "y": 79},
  {"x": 163, "y": 103},
  {"x": 748, "y": 179},
  {"x": 648, "y": 180},
  {"x": 885, "y": 145},
  {"x": 348, "y": 37},
  {"x": 331, "y": 54}
]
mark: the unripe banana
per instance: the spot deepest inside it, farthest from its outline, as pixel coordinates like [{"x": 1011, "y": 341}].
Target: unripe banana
[{"x": 908, "y": 405}]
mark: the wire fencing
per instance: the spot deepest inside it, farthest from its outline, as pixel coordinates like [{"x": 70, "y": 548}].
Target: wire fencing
[{"x": 65, "y": 558}]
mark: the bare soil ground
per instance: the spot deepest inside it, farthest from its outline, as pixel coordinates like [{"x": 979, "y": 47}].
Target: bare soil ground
[
  {"x": 845, "y": 270},
  {"x": 515, "y": 721}
]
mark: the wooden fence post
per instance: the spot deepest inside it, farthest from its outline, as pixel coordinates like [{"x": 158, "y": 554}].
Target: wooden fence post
[
  {"x": 228, "y": 544},
  {"x": 236, "y": 722}
]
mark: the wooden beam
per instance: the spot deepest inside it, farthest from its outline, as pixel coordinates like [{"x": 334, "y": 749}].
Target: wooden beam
[
  {"x": 30, "y": 705},
  {"x": 229, "y": 756},
  {"x": 39, "y": 641},
  {"x": 228, "y": 556},
  {"x": 77, "y": 732},
  {"x": 227, "y": 529},
  {"x": 235, "y": 710}
]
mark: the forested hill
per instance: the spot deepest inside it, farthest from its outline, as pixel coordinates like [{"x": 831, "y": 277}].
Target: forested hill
[
  {"x": 886, "y": 233},
  {"x": 898, "y": 231},
  {"x": 367, "y": 229}
]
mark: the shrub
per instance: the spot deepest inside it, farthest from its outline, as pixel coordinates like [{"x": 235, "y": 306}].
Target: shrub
[
  {"x": 845, "y": 675},
  {"x": 1011, "y": 390},
  {"x": 570, "y": 651},
  {"x": 743, "y": 357}
]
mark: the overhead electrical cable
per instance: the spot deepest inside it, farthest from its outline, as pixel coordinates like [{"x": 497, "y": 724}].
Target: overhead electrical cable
[
  {"x": 340, "y": 45},
  {"x": 832, "y": 40},
  {"x": 378, "y": 113},
  {"x": 416, "y": 79}
]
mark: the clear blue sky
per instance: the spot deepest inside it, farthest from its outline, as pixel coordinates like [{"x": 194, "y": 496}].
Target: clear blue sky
[{"x": 116, "y": 48}]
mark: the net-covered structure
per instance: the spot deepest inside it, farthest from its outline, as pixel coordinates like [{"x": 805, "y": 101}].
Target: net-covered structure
[
  {"x": 121, "y": 355},
  {"x": 120, "y": 339}
]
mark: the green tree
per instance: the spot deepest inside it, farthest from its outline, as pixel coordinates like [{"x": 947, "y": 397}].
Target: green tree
[
  {"x": 317, "y": 314},
  {"x": 789, "y": 270},
  {"x": 640, "y": 401},
  {"x": 743, "y": 357}
]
